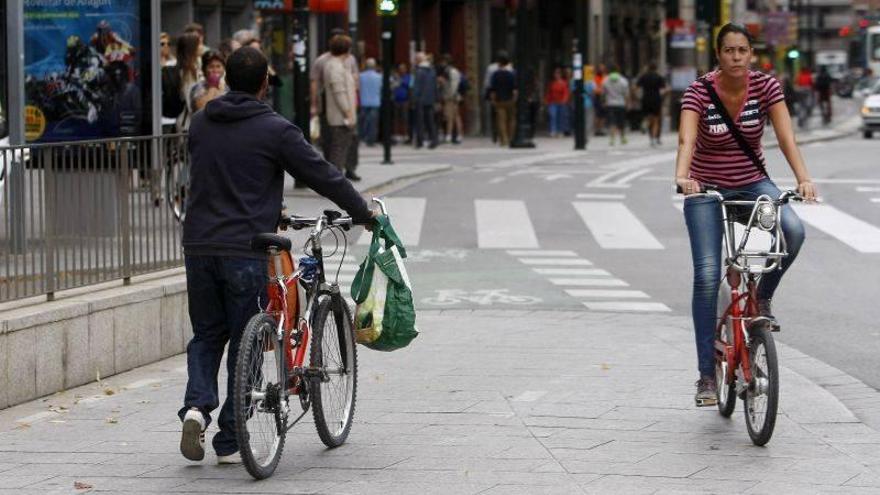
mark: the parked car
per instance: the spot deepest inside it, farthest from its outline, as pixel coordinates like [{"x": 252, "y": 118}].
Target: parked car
[
  {"x": 871, "y": 113},
  {"x": 865, "y": 87}
]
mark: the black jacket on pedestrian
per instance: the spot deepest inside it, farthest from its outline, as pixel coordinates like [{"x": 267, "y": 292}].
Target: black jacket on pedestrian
[
  {"x": 424, "y": 90},
  {"x": 240, "y": 150}
]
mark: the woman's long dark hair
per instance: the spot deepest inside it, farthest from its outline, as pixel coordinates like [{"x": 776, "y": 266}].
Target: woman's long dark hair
[
  {"x": 733, "y": 28},
  {"x": 188, "y": 56}
]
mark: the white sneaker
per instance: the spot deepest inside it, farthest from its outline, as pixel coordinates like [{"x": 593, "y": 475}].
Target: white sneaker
[
  {"x": 233, "y": 458},
  {"x": 192, "y": 441}
]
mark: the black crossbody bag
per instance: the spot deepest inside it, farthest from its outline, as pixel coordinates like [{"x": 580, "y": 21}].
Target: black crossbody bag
[{"x": 734, "y": 131}]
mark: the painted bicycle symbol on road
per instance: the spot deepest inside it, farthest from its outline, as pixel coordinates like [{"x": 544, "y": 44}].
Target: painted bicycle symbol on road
[{"x": 483, "y": 297}]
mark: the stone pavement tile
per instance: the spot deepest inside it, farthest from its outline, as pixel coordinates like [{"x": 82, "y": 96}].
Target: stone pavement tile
[
  {"x": 794, "y": 488},
  {"x": 49, "y": 457},
  {"x": 108, "y": 484},
  {"x": 449, "y": 419},
  {"x": 670, "y": 465},
  {"x": 97, "y": 470},
  {"x": 17, "y": 480},
  {"x": 607, "y": 452},
  {"x": 508, "y": 489},
  {"x": 468, "y": 464},
  {"x": 586, "y": 423},
  {"x": 395, "y": 488},
  {"x": 815, "y": 471},
  {"x": 248, "y": 485},
  {"x": 567, "y": 409},
  {"x": 842, "y": 433},
  {"x": 647, "y": 413},
  {"x": 411, "y": 405},
  {"x": 6, "y": 466},
  {"x": 637, "y": 485},
  {"x": 870, "y": 478}
]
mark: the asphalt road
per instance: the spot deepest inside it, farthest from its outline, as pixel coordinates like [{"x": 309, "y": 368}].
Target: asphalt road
[{"x": 601, "y": 230}]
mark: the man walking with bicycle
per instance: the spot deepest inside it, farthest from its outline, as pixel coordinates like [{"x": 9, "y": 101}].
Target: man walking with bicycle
[{"x": 240, "y": 151}]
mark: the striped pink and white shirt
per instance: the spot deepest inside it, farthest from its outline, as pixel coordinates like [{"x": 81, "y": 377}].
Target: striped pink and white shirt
[{"x": 717, "y": 158}]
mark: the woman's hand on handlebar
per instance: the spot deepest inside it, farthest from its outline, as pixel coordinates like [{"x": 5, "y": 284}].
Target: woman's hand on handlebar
[
  {"x": 687, "y": 186},
  {"x": 807, "y": 190}
]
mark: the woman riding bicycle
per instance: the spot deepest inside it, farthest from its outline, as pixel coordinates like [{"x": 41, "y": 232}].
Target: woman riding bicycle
[{"x": 709, "y": 153}]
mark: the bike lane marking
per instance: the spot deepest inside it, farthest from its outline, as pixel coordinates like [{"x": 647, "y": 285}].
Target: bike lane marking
[
  {"x": 541, "y": 252},
  {"x": 627, "y": 306},
  {"x": 605, "y": 293},
  {"x": 598, "y": 282},
  {"x": 572, "y": 271},
  {"x": 854, "y": 232},
  {"x": 556, "y": 261}
]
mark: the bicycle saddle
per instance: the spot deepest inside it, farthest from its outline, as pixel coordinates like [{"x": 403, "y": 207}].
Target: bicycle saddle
[{"x": 262, "y": 242}]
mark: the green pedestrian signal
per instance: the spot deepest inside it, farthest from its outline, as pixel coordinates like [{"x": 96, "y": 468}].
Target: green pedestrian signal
[
  {"x": 794, "y": 53},
  {"x": 387, "y": 7}
]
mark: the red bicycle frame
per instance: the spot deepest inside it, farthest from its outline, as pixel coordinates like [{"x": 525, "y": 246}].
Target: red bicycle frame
[
  {"x": 736, "y": 353},
  {"x": 284, "y": 293}
]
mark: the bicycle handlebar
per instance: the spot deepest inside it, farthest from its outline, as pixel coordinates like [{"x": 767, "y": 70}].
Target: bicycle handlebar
[{"x": 712, "y": 191}]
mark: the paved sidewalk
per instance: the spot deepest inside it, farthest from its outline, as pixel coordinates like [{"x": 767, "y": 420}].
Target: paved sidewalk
[{"x": 483, "y": 402}]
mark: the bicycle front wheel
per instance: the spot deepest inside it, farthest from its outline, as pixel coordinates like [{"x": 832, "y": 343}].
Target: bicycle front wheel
[
  {"x": 762, "y": 395},
  {"x": 259, "y": 397},
  {"x": 333, "y": 389}
]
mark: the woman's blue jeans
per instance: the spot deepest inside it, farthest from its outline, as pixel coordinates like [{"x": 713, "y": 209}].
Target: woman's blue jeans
[
  {"x": 556, "y": 113},
  {"x": 703, "y": 218}
]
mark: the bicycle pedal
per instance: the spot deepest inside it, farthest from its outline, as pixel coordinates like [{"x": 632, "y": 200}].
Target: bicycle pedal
[{"x": 706, "y": 402}]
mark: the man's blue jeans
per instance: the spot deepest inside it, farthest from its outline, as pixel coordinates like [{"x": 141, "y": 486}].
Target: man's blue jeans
[
  {"x": 223, "y": 295},
  {"x": 703, "y": 218},
  {"x": 369, "y": 125}
]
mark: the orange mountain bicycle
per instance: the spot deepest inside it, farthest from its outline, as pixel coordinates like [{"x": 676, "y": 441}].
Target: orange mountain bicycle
[
  {"x": 746, "y": 364},
  {"x": 304, "y": 316}
]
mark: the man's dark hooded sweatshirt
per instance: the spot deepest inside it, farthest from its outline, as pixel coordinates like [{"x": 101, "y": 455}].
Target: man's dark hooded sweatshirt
[{"x": 240, "y": 150}]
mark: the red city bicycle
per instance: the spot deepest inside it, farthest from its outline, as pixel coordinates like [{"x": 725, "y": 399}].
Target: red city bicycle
[
  {"x": 301, "y": 345},
  {"x": 746, "y": 364}
]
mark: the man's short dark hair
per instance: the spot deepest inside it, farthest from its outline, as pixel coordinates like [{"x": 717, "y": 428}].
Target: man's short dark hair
[
  {"x": 246, "y": 70},
  {"x": 194, "y": 27},
  {"x": 340, "y": 44}
]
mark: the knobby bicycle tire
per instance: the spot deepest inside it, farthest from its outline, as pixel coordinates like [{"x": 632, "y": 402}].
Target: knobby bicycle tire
[
  {"x": 333, "y": 412},
  {"x": 761, "y": 430},
  {"x": 250, "y": 424}
]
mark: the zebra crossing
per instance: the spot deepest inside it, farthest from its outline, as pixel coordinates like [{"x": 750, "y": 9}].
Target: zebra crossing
[
  {"x": 609, "y": 221},
  {"x": 569, "y": 265}
]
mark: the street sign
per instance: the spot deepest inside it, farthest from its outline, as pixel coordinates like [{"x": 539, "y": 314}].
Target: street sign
[
  {"x": 387, "y": 7},
  {"x": 682, "y": 40}
]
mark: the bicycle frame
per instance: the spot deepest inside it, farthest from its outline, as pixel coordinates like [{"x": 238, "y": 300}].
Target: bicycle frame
[{"x": 739, "y": 274}]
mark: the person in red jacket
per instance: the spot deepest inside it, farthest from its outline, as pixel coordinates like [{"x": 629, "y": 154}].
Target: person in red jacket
[{"x": 557, "y": 100}]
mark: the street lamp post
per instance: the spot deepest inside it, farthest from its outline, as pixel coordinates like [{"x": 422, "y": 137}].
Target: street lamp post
[
  {"x": 522, "y": 135},
  {"x": 387, "y": 10},
  {"x": 301, "y": 103},
  {"x": 579, "y": 48}
]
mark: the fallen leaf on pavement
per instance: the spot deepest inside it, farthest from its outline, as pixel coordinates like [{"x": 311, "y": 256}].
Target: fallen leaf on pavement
[
  {"x": 79, "y": 485},
  {"x": 112, "y": 420}
]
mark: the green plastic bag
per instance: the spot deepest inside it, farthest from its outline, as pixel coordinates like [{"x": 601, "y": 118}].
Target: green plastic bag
[{"x": 385, "y": 318}]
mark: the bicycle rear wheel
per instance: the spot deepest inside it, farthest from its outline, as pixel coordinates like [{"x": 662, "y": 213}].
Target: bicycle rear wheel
[
  {"x": 260, "y": 418},
  {"x": 334, "y": 357},
  {"x": 762, "y": 395}
]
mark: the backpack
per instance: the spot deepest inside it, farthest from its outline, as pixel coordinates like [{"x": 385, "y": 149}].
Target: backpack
[
  {"x": 463, "y": 85},
  {"x": 172, "y": 103}
]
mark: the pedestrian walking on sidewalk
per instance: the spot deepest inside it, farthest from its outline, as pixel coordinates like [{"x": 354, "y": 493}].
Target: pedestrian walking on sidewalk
[
  {"x": 710, "y": 153},
  {"x": 557, "y": 100},
  {"x": 653, "y": 89},
  {"x": 401, "y": 82},
  {"x": 823, "y": 91},
  {"x": 503, "y": 94},
  {"x": 340, "y": 100},
  {"x": 371, "y": 100},
  {"x": 615, "y": 89},
  {"x": 424, "y": 97},
  {"x": 240, "y": 151}
]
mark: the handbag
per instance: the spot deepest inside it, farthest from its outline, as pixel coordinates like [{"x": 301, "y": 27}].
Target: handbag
[{"x": 734, "y": 130}]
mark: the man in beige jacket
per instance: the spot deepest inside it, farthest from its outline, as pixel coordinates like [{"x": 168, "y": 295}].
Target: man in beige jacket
[{"x": 341, "y": 101}]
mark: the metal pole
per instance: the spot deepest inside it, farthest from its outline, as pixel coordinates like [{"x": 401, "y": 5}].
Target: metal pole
[
  {"x": 353, "y": 26},
  {"x": 301, "y": 103},
  {"x": 580, "y": 135},
  {"x": 16, "y": 112},
  {"x": 387, "y": 63},
  {"x": 523, "y": 132}
]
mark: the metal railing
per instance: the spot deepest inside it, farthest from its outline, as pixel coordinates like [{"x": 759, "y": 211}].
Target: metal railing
[{"x": 80, "y": 213}]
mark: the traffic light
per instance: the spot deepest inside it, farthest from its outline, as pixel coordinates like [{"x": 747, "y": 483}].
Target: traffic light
[
  {"x": 794, "y": 53},
  {"x": 387, "y": 7}
]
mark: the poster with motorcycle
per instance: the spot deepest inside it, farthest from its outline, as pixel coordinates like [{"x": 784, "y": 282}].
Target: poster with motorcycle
[{"x": 83, "y": 73}]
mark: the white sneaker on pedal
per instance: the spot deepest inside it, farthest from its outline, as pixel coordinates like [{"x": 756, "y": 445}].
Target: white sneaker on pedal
[
  {"x": 233, "y": 458},
  {"x": 192, "y": 440}
]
